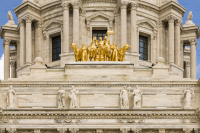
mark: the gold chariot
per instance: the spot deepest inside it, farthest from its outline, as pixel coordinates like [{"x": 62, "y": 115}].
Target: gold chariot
[{"x": 100, "y": 50}]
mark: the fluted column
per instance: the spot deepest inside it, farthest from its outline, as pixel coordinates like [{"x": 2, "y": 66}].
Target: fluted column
[
  {"x": 22, "y": 43},
  {"x": 13, "y": 69},
  {"x": 6, "y": 58},
  {"x": 136, "y": 130},
  {"x": 38, "y": 39},
  {"x": 73, "y": 130},
  {"x": 65, "y": 45},
  {"x": 62, "y": 130},
  {"x": 177, "y": 42},
  {"x": 171, "y": 40},
  {"x": 29, "y": 52},
  {"x": 193, "y": 46},
  {"x": 123, "y": 23},
  {"x": 76, "y": 22},
  {"x": 134, "y": 48},
  {"x": 187, "y": 69}
]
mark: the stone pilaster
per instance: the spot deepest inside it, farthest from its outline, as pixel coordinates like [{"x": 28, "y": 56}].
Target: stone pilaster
[
  {"x": 29, "y": 52},
  {"x": 134, "y": 48},
  {"x": 36, "y": 130},
  {"x": 124, "y": 130},
  {"x": 187, "y": 69},
  {"x": 76, "y": 5},
  {"x": 159, "y": 38},
  {"x": 65, "y": 45},
  {"x": 73, "y": 130},
  {"x": 62, "y": 130},
  {"x": 136, "y": 130},
  {"x": 193, "y": 46},
  {"x": 38, "y": 39},
  {"x": 123, "y": 22},
  {"x": 181, "y": 54},
  {"x": 177, "y": 46},
  {"x": 7, "y": 41},
  {"x": 13, "y": 69},
  {"x": 171, "y": 39},
  {"x": 22, "y": 43}
]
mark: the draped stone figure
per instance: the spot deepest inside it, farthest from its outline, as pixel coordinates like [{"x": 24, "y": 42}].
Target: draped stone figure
[
  {"x": 11, "y": 98},
  {"x": 124, "y": 98},
  {"x": 73, "y": 97},
  {"x": 137, "y": 97},
  {"x": 187, "y": 97},
  {"x": 61, "y": 98}
]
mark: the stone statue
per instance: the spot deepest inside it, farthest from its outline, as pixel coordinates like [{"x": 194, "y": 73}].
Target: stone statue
[
  {"x": 11, "y": 98},
  {"x": 10, "y": 16},
  {"x": 11, "y": 20},
  {"x": 189, "y": 19},
  {"x": 61, "y": 98},
  {"x": 73, "y": 96},
  {"x": 124, "y": 101},
  {"x": 187, "y": 93},
  {"x": 137, "y": 97}
]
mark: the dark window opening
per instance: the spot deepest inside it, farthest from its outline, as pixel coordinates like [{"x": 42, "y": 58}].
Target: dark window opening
[
  {"x": 143, "y": 48},
  {"x": 99, "y": 33},
  {"x": 56, "y": 48}
]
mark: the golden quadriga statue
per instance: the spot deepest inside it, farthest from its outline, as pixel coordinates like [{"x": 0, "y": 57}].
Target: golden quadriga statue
[{"x": 100, "y": 50}]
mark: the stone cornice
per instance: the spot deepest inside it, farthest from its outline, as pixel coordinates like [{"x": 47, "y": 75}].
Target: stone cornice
[
  {"x": 189, "y": 29},
  {"x": 8, "y": 29},
  {"x": 51, "y": 6},
  {"x": 148, "y": 6}
]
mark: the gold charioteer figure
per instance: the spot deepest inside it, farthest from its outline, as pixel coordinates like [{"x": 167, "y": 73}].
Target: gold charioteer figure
[{"x": 100, "y": 50}]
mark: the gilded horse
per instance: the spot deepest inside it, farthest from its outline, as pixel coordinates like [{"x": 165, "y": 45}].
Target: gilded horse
[
  {"x": 77, "y": 53},
  {"x": 122, "y": 51},
  {"x": 107, "y": 49},
  {"x": 93, "y": 50}
]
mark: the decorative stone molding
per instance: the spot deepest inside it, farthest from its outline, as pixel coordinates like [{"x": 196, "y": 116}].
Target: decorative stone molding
[
  {"x": 38, "y": 24},
  {"x": 44, "y": 35},
  {"x": 123, "y": 5},
  {"x": 7, "y": 40},
  {"x": 124, "y": 130},
  {"x": 73, "y": 130},
  {"x": 1, "y": 110},
  {"x": 21, "y": 22},
  {"x": 178, "y": 22},
  {"x": 99, "y": 131},
  {"x": 11, "y": 130},
  {"x": 28, "y": 18},
  {"x": 187, "y": 130},
  {"x": 61, "y": 130},
  {"x": 107, "y": 1},
  {"x": 170, "y": 18},
  {"x": 187, "y": 63},
  {"x": 136, "y": 130},
  {"x": 76, "y": 5},
  {"x": 134, "y": 5},
  {"x": 65, "y": 5},
  {"x": 36, "y": 130},
  {"x": 193, "y": 41},
  {"x": 12, "y": 63}
]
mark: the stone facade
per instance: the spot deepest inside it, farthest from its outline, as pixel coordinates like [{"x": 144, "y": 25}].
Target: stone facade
[{"x": 44, "y": 96}]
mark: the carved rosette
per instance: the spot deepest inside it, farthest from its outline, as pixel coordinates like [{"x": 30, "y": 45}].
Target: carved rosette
[
  {"x": 65, "y": 5},
  {"x": 73, "y": 130},
  {"x": 134, "y": 6},
  {"x": 136, "y": 130},
  {"x": 76, "y": 5},
  {"x": 124, "y": 5},
  {"x": 62, "y": 130},
  {"x": 124, "y": 130},
  {"x": 28, "y": 18},
  {"x": 12, "y": 63}
]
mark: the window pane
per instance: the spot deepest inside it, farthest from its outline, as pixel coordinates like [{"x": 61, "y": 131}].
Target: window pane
[
  {"x": 56, "y": 48},
  {"x": 143, "y": 41}
]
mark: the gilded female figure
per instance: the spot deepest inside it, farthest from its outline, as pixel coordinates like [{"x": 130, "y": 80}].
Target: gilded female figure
[{"x": 84, "y": 52}]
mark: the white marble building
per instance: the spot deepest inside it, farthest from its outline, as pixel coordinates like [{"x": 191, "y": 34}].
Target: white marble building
[{"x": 154, "y": 90}]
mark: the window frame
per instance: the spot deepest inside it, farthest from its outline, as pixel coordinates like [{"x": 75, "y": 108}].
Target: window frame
[
  {"x": 145, "y": 47},
  {"x": 56, "y": 49},
  {"x": 103, "y": 34}
]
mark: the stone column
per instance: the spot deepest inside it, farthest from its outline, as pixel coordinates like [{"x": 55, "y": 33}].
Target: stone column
[
  {"x": 177, "y": 42},
  {"x": 28, "y": 19},
  {"x": 159, "y": 38},
  {"x": 22, "y": 42},
  {"x": 76, "y": 22},
  {"x": 161, "y": 130},
  {"x": 38, "y": 40},
  {"x": 181, "y": 55},
  {"x": 187, "y": 69},
  {"x": 36, "y": 130},
  {"x": 187, "y": 130},
  {"x": 13, "y": 69},
  {"x": 73, "y": 130},
  {"x": 6, "y": 58},
  {"x": 134, "y": 48},
  {"x": 153, "y": 47},
  {"x": 193, "y": 46},
  {"x": 171, "y": 39},
  {"x": 62, "y": 130},
  {"x": 116, "y": 25},
  {"x": 65, "y": 45},
  {"x": 124, "y": 130},
  {"x": 136, "y": 130},
  {"x": 123, "y": 23}
]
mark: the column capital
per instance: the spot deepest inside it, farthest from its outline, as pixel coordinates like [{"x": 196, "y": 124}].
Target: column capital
[
  {"x": 28, "y": 18},
  {"x": 7, "y": 40},
  {"x": 45, "y": 35},
  {"x": 171, "y": 19},
  {"x": 134, "y": 5},
  {"x": 187, "y": 130},
  {"x": 187, "y": 63},
  {"x": 116, "y": 13},
  {"x": 21, "y": 22},
  {"x": 193, "y": 41},
  {"x": 36, "y": 130},
  {"x": 61, "y": 130},
  {"x": 38, "y": 24},
  {"x": 123, "y": 4},
  {"x": 65, "y": 5},
  {"x": 99, "y": 131},
  {"x": 178, "y": 22},
  {"x": 73, "y": 130},
  {"x": 83, "y": 12},
  {"x": 12, "y": 63},
  {"x": 11, "y": 130},
  {"x": 124, "y": 130},
  {"x": 136, "y": 130},
  {"x": 76, "y": 4}
]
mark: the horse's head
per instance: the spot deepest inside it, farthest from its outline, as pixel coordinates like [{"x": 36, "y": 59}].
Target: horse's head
[{"x": 125, "y": 47}]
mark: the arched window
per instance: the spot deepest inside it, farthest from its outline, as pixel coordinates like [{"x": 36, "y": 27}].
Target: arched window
[{"x": 143, "y": 48}]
